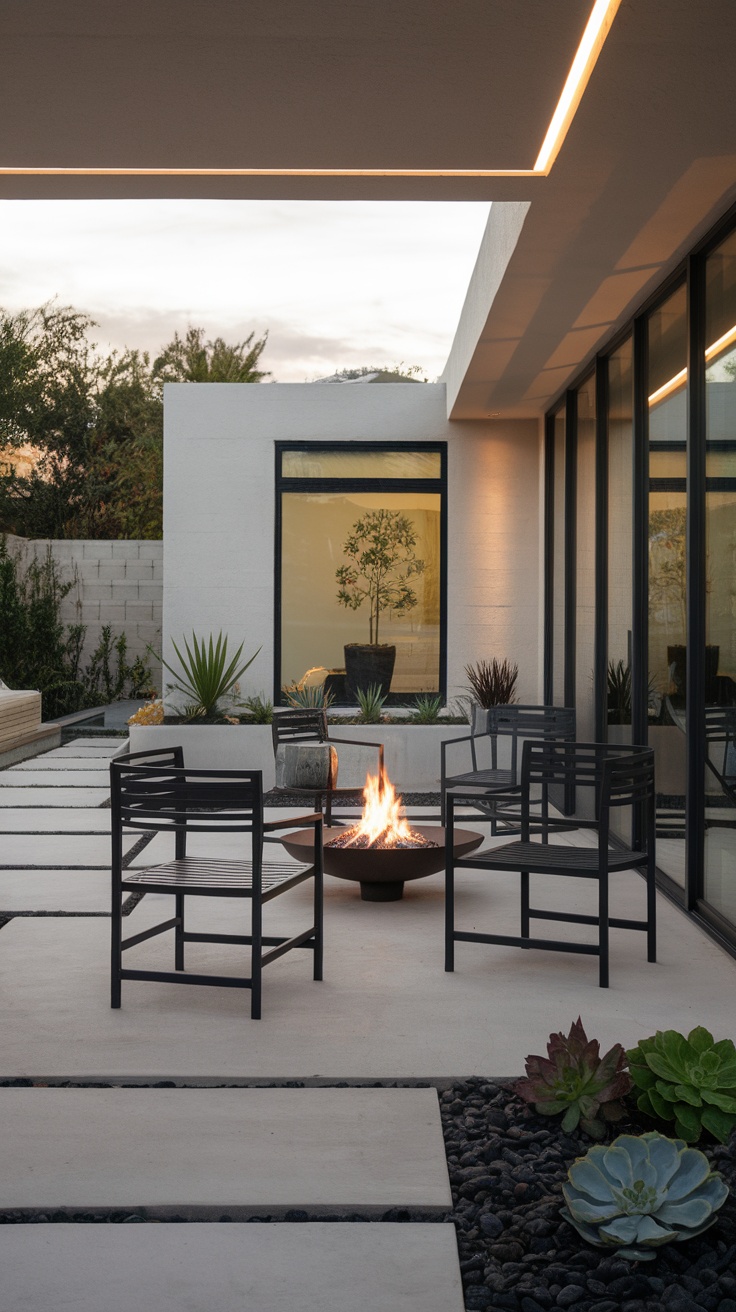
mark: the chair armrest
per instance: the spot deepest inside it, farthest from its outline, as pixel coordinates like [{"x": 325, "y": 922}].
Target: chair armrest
[
  {"x": 354, "y": 742},
  {"x": 450, "y": 742},
  {"x": 293, "y": 820}
]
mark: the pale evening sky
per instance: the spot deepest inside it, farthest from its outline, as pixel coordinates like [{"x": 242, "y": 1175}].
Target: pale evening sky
[{"x": 337, "y": 284}]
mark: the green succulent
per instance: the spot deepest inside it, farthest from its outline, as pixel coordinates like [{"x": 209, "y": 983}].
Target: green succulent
[
  {"x": 691, "y": 1081},
  {"x": 576, "y": 1080},
  {"x": 371, "y": 702},
  {"x": 641, "y": 1192},
  {"x": 426, "y": 709},
  {"x": 308, "y": 696}
]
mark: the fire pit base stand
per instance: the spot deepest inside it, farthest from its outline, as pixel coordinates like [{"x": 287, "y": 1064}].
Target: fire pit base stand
[{"x": 387, "y": 891}]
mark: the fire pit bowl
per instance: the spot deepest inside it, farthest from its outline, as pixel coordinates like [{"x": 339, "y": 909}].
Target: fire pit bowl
[{"x": 382, "y": 871}]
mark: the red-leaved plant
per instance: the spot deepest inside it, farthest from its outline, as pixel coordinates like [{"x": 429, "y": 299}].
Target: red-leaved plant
[{"x": 575, "y": 1080}]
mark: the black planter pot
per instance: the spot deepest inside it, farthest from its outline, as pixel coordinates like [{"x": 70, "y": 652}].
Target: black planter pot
[
  {"x": 336, "y": 685},
  {"x": 367, "y": 664}
]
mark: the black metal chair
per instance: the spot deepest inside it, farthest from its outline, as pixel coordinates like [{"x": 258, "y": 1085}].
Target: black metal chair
[
  {"x": 310, "y": 726},
  {"x": 499, "y": 788},
  {"x": 153, "y": 791},
  {"x": 608, "y": 776},
  {"x": 720, "y": 737}
]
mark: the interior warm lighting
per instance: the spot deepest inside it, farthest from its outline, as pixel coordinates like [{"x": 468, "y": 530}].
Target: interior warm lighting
[
  {"x": 591, "y": 44},
  {"x": 672, "y": 384}
]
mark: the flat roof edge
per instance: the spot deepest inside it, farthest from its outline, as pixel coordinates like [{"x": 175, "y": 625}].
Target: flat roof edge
[{"x": 501, "y": 235}]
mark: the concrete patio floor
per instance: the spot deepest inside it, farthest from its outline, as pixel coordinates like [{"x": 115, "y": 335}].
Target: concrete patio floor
[{"x": 386, "y": 1010}]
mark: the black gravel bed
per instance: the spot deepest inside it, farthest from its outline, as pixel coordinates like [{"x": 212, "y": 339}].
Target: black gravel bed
[{"x": 507, "y": 1166}]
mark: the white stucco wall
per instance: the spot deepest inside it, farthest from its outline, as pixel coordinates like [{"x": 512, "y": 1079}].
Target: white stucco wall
[{"x": 219, "y": 513}]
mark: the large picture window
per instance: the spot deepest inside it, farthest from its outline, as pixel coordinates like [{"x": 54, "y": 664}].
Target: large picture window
[{"x": 338, "y": 506}]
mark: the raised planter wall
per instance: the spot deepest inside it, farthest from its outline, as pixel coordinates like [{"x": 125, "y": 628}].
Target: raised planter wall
[{"x": 412, "y": 752}]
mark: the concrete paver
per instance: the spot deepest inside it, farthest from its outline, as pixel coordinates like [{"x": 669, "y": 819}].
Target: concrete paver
[
  {"x": 308, "y": 1267},
  {"x": 41, "y": 764},
  {"x": 55, "y": 820},
  {"x": 15, "y": 777},
  {"x": 222, "y": 1148},
  {"x": 54, "y": 850},
  {"x": 39, "y": 796},
  {"x": 59, "y": 891}
]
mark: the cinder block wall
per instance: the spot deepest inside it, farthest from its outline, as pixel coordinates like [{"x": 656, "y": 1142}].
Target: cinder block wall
[{"x": 117, "y": 583}]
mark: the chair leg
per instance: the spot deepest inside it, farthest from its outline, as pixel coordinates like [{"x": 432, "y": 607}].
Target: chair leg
[
  {"x": 651, "y": 913},
  {"x": 449, "y": 920},
  {"x": 256, "y": 962},
  {"x": 116, "y": 955},
  {"x": 525, "y": 906},
  {"x": 603, "y": 928},
  {"x": 318, "y": 922},
  {"x": 179, "y": 932}
]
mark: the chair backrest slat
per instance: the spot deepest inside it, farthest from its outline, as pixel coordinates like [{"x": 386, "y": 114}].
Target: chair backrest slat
[
  {"x": 621, "y": 775},
  {"x": 147, "y": 794},
  {"x": 298, "y": 726}
]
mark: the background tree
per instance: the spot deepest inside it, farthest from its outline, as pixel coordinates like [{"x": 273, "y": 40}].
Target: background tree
[
  {"x": 193, "y": 360},
  {"x": 91, "y": 424}
]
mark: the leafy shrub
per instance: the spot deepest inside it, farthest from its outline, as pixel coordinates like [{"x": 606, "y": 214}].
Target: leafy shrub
[
  {"x": 381, "y": 561},
  {"x": 691, "y": 1081},
  {"x": 426, "y": 710},
  {"x": 258, "y": 709},
  {"x": 38, "y": 651},
  {"x": 641, "y": 1192},
  {"x": 205, "y": 676},
  {"x": 492, "y": 683},
  {"x": 371, "y": 702},
  {"x": 575, "y": 1080}
]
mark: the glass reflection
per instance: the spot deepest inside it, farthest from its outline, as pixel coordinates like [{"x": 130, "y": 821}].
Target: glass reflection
[
  {"x": 667, "y": 389},
  {"x": 558, "y": 615},
  {"x": 585, "y": 562},
  {"x": 720, "y": 506}
]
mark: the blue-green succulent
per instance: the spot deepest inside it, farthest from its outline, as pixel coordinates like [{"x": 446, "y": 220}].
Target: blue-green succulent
[{"x": 641, "y": 1192}]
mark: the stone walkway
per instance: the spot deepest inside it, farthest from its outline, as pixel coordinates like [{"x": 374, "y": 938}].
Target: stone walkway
[
  {"x": 196, "y": 1154},
  {"x": 386, "y": 1011}
]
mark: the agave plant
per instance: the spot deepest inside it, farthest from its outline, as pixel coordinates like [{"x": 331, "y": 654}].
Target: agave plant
[
  {"x": 641, "y": 1192},
  {"x": 206, "y": 676},
  {"x": 308, "y": 697},
  {"x": 371, "y": 702},
  {"x": 426, "y": 709},
  {"x": 576, "y": 1080},
  {"x": 691, "y": 1081}
]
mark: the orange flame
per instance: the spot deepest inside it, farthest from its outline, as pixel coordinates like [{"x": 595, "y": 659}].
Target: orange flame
[{"x": 381, "y": 821}]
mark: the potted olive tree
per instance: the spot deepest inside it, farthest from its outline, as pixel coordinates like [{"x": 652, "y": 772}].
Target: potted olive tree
[{"x": 381, "y": 561}]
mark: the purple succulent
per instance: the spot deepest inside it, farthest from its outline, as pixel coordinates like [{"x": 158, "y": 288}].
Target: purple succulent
[{"x": 575, "y": 1080}]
